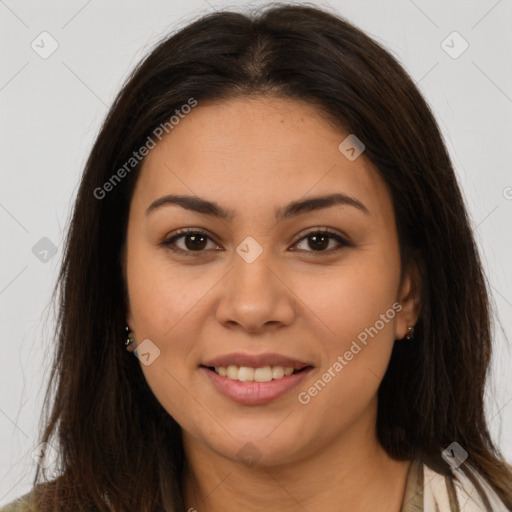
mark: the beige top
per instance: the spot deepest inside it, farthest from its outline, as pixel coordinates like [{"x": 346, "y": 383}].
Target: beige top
[{"x": 413, "y": 495}]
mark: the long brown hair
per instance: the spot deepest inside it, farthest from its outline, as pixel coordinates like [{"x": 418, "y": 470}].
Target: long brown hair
[{"x": 119, "y": 449}]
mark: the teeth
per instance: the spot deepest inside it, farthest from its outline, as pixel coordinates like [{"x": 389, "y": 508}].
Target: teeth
[
  {"x": 277, "y": 372},
  {"x": 247, "y": 374}
]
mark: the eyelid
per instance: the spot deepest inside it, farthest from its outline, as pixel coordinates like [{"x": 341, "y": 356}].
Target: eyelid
[{"x": 340, "y": 237}]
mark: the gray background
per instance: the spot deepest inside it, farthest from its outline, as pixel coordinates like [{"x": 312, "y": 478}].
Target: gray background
[{"x": 51, "y": 110}]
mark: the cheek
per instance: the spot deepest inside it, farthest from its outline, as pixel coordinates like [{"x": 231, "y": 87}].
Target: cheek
[
  {"x": 165, "y": 303},
  {"x": 354, "y": 360},
  {"x": 358, "y": 311},
  {"x": 161, "y": 295},
  {"x": 353, "y": 298}
]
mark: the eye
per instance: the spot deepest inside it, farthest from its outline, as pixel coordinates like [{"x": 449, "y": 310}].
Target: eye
[
  {"x": 195, "y": 240},
  {"x": 320, "y": 238}
]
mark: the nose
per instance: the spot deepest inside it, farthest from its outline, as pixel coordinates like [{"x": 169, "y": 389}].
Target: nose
[{"x": 255, "y": 297}]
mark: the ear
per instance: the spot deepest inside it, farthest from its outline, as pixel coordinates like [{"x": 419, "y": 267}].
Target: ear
[
  {"x": 129, "y": 322},
  {"x": 409, "y": 296},
  {"x": 129, "y": 317},
  {"x": 128, "y": 314}
]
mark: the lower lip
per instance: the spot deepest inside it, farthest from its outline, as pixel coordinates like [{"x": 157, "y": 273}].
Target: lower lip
[{"x": 255, "y": 393}]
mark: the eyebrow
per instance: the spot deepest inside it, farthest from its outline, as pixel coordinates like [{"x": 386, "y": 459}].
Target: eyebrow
[{"x": 295, "y": 208}]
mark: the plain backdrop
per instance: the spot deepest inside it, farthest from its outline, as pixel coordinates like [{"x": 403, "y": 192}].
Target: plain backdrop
[{"x": 52, "y": 107}]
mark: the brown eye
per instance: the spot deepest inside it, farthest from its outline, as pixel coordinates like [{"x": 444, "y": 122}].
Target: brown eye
[
  {"x": 196, "y": 241},
  {"x": 318, "y": 241},
  {"x": 192, "y": 241}
]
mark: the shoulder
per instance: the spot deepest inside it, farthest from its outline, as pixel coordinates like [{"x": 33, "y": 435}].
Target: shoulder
[
  {"x": 467, "y": 490},
  {"x": 23, "y": 504}
]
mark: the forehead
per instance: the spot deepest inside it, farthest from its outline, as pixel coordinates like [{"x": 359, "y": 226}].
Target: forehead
[{"x": 250, "y": 154}]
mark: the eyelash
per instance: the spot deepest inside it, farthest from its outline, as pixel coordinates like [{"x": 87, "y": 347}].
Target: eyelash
[{"x": 318, "y": 231}]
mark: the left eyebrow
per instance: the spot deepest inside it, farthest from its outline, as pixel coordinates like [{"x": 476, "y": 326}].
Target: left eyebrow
[
  {"x": 295, "y": 208},
  {"x": 317, "y": 203}
]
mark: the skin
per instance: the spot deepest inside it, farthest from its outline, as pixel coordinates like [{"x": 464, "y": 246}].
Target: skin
[{"x": 252, "y": 156}]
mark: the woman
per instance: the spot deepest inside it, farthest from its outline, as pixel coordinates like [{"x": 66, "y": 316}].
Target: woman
[{"x": 270, "y": 213}]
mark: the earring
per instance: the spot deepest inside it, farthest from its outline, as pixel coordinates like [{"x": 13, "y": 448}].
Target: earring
[
  {"x": 130, "y": 340},
  {"x": 410, "y": 333}
]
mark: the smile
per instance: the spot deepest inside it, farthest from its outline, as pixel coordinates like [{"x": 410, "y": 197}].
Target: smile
[{"x": 241, "y": 384}]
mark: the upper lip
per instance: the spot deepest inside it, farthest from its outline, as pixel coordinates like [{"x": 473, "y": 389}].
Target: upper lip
[{"x": 256, "y": 360}]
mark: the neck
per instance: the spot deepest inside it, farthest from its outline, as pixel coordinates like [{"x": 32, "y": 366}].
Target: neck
[{"x": 352, "y": 473}]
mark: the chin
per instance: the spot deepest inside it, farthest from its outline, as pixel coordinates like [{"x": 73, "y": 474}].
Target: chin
[{"x": 258, "y": 450}]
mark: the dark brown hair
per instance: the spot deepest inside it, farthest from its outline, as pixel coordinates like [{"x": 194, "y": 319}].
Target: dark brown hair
[{"x": 119, "y": 449}]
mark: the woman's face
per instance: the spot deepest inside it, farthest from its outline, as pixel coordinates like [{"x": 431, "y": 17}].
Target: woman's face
[{"x": 264, "y": 287}]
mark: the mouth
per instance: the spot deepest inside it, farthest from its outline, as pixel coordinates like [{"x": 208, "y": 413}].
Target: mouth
[{"x": 255, "y": 380}]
